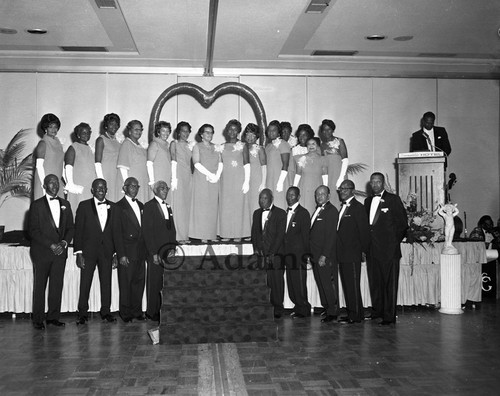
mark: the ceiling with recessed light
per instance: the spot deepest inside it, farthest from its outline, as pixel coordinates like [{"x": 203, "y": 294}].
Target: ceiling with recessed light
[{"x": 424, "y": 38}]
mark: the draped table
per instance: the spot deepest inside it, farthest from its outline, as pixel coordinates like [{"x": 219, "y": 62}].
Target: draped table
[{"x": 419, "y": 278}]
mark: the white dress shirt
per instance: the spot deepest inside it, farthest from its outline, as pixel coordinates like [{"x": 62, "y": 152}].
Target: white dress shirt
[
  {"x": 430, "y": 142},
  {"x": 135, "y": 207},
  {"x": 163, "y": 206},
  {"x": 316, "y": 212},
  {"x": 102, "y": 212},
  {"x": 265, "y": 215},
  {"x": 343, "y": 208},
  {"x": 374, "y": 207},
  {"x": 289, "y": 214},
  {"x": 55, "y": 209}
]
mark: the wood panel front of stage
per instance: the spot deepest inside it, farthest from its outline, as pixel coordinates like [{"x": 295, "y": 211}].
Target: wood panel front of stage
[{"x": 214, "y": 298}]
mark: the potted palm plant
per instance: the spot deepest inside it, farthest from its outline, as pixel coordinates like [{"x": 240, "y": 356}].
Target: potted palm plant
[{"x": 15, "y": 173}]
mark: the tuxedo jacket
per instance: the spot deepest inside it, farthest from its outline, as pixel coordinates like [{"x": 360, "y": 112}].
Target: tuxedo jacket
[
  {"x": 158, "y": 231},
  {"x": 353, "y": 234},
  {"x": 388, "y": 228},
  {"x": 127, "y": 232},
  {"x": 90, "y": 238},
  {"x": 270, "y": 239},
  {"x": 44, "y": 232},
  {"x": 418, "y": 142},
  {"x": 297, "y": 233},
  {"x": 323, "y": 234}
]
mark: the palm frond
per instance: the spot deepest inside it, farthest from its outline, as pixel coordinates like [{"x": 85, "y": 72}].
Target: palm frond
[
  {"x": 14, "y": 149},
  {"x": 360, "y": 194},
  {"x": 358, "y": 167},
  {"x": 388, "y": 186}
]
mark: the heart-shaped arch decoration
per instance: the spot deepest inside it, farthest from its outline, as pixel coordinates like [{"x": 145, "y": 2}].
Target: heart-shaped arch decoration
[{"x": 207, "y": 98}]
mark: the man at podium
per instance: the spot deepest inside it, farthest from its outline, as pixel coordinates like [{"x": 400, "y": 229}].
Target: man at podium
[{"x": 430, "y": 137}]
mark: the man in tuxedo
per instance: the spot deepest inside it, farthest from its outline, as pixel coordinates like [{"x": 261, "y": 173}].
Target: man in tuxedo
[
  {"x": 323, "y": 240},
  {"x": 430, "y": 137},
  {"x": 129, "y": 245},
  {"x": 94, "y": 247},
  {"x": 158, "y": 228},
  {"x": 51, "y": 229},
  {"x": 296, "y": 249},
  {"x": 353, "y": 240},
  {"x": 388, "y": 224},
  {"x": 268, "y": 233}
]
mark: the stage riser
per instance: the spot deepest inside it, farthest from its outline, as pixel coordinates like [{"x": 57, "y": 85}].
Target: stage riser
[
  {"x": 216, "y": 299},
  {"x": 211, "y": 262}
]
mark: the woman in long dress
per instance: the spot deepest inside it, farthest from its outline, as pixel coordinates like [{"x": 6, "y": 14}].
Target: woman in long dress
[
  {"x": 49, "y": 155},
  {"x": 106, "y": 156},
  {"x": 335, "y": 151},
  {"x": 132, "y": 159},
  {"x": 311, "y": 169},
  {"x": 159, "y": 162},
  {"x": 303, "y": 133},
  {"x": 258, "y": 166},
  {"x": 181, "y": 152},
  {"x": 79, "y": 167},
  {"x": 287, "y": 136},
  {"x": 278, "y": 158},
  {"x": 234, "y": 221},
  {"x": 205, "y": 198}
]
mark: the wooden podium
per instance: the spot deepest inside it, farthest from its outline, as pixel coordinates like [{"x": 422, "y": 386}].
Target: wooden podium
[{"x": 423, "y": 174}]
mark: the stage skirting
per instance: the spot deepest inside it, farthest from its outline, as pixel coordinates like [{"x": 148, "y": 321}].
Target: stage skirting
[{"x": 419, "y": 279}]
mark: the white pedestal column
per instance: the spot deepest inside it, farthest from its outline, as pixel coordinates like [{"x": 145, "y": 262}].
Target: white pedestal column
[{"x": 450, "y": 284}]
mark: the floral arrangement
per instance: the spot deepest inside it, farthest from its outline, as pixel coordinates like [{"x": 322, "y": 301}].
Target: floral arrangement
[
  {"x": 424, "y": 226},
  {"x": 277, "y": 142},
  {"x": 334, "y": 144},
  {"x": 219, "y": 148},
  {"x": 254, "y": 151},
  {"x": 238, "y": 146}
]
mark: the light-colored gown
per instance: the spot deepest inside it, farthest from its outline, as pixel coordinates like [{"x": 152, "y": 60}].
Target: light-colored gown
[
  {"x": 234, "y": 220},
  {"x": 273, "y": 152},
  {"x": 205, "y": 197},
  {"x": 83, "y": 173},
  {"x": 159, "y": 153},
  {"x": 109, "y": 169},
  {"x": 52, "y": 164},
  {"x": 255, "y": 178},
  {"x": 133, "y": 156},
  {"x": 181, "y": 197},
  {"x": 311, "y": 168},
  {"x": 334, "y": 151}
]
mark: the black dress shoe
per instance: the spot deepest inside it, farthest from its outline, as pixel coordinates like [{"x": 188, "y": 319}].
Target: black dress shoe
[
  {"x": 39, "y": 325},
  {"x": 385, "y": 323},
  {"x": 108, "y": 318},
  {"x": 348, "y": 321},
  {"x": 297, "y": 315},
  {"x": 140, "y": 318},
  {"x": 81, "y": 320},
  {"x": 277, "y": 316},
  {"x": 55, "y": 322},
  {"x": 371, "y": 317},
  {"x": 328, "y": 318}
]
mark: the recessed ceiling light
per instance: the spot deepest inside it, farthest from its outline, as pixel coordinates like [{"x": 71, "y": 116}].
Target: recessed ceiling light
[
  {"x": 375, "y": 37},
  {"x": 37, "y": 31},
  {"x": 8, "y": 31},
  {"x": 403, "y": 38}
]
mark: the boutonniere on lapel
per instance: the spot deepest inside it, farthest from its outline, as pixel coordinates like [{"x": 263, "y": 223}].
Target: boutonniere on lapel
[
  {"x": 108, "y": 207},
  {"x": 439, "y": 137},
  {"x": 385, "y": 210},
  {"x": 141, "y": 211},
  {"x": 294, "y": 223},
  {"x": 382, "y": 200},
  {"x": 63, "y": 207}
]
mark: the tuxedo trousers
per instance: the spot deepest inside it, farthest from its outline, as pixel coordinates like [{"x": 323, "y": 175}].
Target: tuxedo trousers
[
  {"x": 104, "y": 268},
  {"x": 275, "y": 271},
  {"x": 154, "y": 286},
  {"x": 327, "y": 280},
  {"x": 50, "y": 270},
  {"x": 383, "y": 278},
  {"x": 131, "y": 280},
  {"x": 296, "y": 280},
  {"x": 350, "y": 275}
]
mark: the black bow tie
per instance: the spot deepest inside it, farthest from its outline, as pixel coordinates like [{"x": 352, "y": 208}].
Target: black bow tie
[
  {"x": 319, "y": 206},
  {"x": 266, "y": 210},
  {"x": 343, "y": 203},
  {"x": 163, "y": 203},
  {"x": 53, "y": 199},
  {"x": 289, "y": 210},
  {"x": 134, "y": 199},
  {"x": 101, "y": 203},
  {"x": 377, "y": 195}
]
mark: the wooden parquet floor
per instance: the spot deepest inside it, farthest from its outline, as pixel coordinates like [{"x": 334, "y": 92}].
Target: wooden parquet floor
[{"x": 426, "y": 353}]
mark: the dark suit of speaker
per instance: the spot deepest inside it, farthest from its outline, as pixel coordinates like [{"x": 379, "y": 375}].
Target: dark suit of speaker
[
  {"x": 160, "y": 237},
  {"x": 268, "y": 245},
  {"x": 418, "y": 141},
  {"x": 353, "y": 238},
  {"x": 97, "y": 247},
  {"x": 129, "y": 243},
  {"x": 47, "y": 266},
  {"x": 323, "y": 240},
  {"x": 386, "y": 233},
  {"x": 296, "y": 250}
]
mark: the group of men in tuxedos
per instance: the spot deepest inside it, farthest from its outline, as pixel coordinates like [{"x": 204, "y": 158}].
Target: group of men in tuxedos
[
  {"x": 333, "y": 243},
  {"x": 106, "y": 235}
]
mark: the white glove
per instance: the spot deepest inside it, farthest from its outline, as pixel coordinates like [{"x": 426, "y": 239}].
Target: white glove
[
  {"x": 71, "y": 187},
  {"x": 151, "y": 172},
  {"x": 173, "y": 182},
  {"x": 325, "y": 180},
  {"x": 219, "y": 172},
  {"x": 343, "y": 171},
  {"x": 296, "y": 180},
  {"x": 281, "y": 180},
  {"x": 246, "y": 183},
  {"x": 124, "y": 173},
  {"x": 98, "y": 170},
  {"x": 264, "y": 175},
  {"x": 204, "y": 171},
  {"x": 40, "y": 169}
]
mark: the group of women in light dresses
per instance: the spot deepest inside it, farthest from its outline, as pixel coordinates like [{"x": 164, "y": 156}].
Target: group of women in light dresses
[{"x": 214, "y": 188}]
